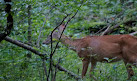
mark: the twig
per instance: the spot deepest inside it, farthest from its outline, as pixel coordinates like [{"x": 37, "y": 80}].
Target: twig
[
  {"x": 100, "y": 30},
  {"x": 43, "y": 25},
  {"x": 54, "y": 77},
  {"x": 68, "y": 72},
  {"x": 106, "y": 30},
  {"x": 44, "y": 66},
  {"x": 133, "y": 33},
  {"x": 110, "y": 30}
]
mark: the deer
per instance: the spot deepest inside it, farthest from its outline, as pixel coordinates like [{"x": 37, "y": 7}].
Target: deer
[{"x": 93, "y": 49}]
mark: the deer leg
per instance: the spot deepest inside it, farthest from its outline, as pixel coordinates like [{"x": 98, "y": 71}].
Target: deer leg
[
  {"x": 85, "y": 67},
  {"x": 93, "y": 65},
  {"x": 129, "y": 70}
]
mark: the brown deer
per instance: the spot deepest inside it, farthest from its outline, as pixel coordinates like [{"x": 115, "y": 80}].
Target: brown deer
[{"x": 93, "y": 49}]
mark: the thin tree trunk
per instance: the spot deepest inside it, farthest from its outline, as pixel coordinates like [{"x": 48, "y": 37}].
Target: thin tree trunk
[
  {"x": 29, "y": 30},
  {"x": 29, "y": 25}
]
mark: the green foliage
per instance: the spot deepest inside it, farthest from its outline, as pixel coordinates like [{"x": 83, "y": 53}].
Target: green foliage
[{"x": 93, "y": 16}]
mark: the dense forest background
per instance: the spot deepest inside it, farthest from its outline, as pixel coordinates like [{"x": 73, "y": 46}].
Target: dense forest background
[{"x": 33, "y": 21}]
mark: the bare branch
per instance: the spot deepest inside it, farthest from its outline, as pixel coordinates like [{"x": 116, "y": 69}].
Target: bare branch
[
  {"x": 100, "y": 30},
  {"x": 20, "y": 44},
  {"x": 133, "y": 33},
  {"x": 53, "y": 51},
  {"x": 29, "y": 25},
  {"x": 44, "y": 66},
  {"x": 50, "y": 66},
  {"x": 27, "y": 47},
  {"x": 108, "y": 28},
  {"x": 66, "y": 26},
  {"x": 43, "y": 25},
  {"x": 68, "y": 72},
  {"x": 54, "y": 77}
]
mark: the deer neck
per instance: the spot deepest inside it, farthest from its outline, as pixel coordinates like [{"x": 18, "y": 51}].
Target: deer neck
[{"x": 69, "y": 42}]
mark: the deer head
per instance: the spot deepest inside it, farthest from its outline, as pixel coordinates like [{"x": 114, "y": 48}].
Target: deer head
[{"x": 55, "y": 35}]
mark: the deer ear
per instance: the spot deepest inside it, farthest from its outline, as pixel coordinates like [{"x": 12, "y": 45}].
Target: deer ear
[{"x": 61, "y": 28}]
